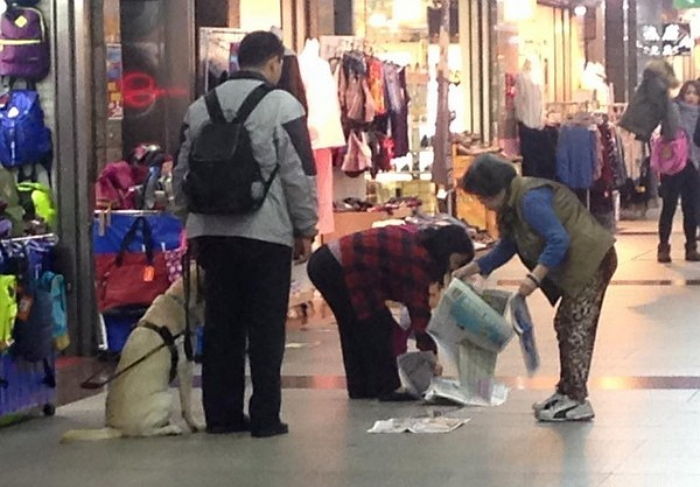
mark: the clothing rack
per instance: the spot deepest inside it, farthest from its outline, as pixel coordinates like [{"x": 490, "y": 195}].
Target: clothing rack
[
  {"x": 566, "y": 109},
  {"x": 616, "y": 111},
  {"x": 567, "y": 112},
  {"x": 49, "y": 236}
]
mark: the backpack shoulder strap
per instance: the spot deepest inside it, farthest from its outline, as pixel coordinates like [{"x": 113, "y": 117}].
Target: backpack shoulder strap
[
  {"x": 252, "y": 101},
  {"x": 216, "y": 114}
]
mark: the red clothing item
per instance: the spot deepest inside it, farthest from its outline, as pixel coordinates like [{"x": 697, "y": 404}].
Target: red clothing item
[{"x": 389, "y": 264}]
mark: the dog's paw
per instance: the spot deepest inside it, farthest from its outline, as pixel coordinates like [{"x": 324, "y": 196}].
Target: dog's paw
[
  {"x": 169, "y": 430},
  {"x": 195, "y": 426}
]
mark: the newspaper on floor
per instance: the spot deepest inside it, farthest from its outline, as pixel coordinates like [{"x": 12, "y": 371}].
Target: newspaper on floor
[
  {"x": 439, "y": 425},
  {"x": 416, "y": 370},
  {"x": 482, "y": 393}
]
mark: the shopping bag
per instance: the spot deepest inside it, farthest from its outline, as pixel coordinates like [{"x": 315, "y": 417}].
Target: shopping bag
[
  {"x": 132, "y": 278},
  {"x": 110, "y": 228}
]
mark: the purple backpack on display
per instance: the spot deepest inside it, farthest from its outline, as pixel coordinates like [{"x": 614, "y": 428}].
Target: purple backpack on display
[{"x": 24, "y": 45}]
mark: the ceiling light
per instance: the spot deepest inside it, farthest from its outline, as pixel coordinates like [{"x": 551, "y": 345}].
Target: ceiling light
[{"x": 580, "y": 10}]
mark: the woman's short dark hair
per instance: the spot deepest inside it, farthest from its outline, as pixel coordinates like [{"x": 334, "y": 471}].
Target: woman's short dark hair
[
  {"x": 488, "y": 176},
  {"x": 441, "y": 243},
  {"x": 686, "y": 86},
  {"x": 259, "y": 47}
]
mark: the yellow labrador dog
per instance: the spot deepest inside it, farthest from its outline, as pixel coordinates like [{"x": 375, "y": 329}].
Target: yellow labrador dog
[{"x": 139, "y": 402}]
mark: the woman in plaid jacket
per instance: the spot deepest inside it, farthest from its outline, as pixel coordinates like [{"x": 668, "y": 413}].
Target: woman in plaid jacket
[{"x": 359, "y": 273}]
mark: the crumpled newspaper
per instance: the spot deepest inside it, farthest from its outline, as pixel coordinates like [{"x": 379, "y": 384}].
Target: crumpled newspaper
[
  {"x": 439, "y": 425},
  {"x": 416, "y": 370},
  {"x": 481, "y": 393}
]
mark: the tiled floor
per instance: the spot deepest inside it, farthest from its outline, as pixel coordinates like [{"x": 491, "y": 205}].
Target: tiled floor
[{"x": 645, "y": 389}]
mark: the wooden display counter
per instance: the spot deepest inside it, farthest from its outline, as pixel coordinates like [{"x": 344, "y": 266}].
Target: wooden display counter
[
  {"x": 349, "y": 222},
  {"x": 469, "y": 208}
]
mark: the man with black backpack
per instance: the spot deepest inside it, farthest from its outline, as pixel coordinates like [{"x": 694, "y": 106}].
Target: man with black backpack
[{"x": 245, "y": 176}]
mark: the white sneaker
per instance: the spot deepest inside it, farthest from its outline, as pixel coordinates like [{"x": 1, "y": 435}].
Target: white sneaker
[
  {"x": 566, "y": 409},
  {"x": 538, "y": 406}
]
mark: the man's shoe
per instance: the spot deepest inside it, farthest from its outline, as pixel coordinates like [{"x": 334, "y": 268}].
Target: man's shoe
[
  {"x": 538, "y": 406},
  {"x": 566, "y": 409},
  {"x": 241, "y": 427},
  {"x": 664, "y": 254},
  {"x": 267, "y": 432},
  {"x": 691, "y": 254}
]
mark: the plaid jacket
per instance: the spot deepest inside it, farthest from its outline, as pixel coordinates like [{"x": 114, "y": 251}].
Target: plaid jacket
[{"x": 388, "y": 264}]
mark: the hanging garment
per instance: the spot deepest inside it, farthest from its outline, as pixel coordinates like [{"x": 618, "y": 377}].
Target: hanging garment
[
  {"x": 382, "y": 148},
  {"x": 576, "y": 156},
  {"x": 397, "y": 95},
  {"x": 620, "y": 167},
  {"x": 375, "y": 80},
  {"x": 324, "y": 117},
  {"x": 538, "y": 148},
  {"x": 8, "y": 309},
  {"x": 358, "y": 158},
  {"x": 358, "y": 100},
  {"x": 324, "y": 190},
  {"x": 528, "y": 102},
  {"x": 291, "y": 79},
  {"x": 633, "y": 150},
  {"x": 612, "y": 172}
]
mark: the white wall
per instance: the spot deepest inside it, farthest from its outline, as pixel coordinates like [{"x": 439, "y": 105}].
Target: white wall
[{"x": 260, "y": 14}]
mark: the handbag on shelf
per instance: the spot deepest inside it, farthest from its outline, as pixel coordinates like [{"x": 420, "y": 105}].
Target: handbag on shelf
[{"x": 132, "y": 277}]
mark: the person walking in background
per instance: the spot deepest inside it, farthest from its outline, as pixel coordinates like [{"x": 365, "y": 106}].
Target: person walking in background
[
  {"x": 571, "y": 257},
  {"x": 684, "y": 184},
  {"x": 247, "y": 255},
  {"x": 359, "y": 273},
  {"x": 652, "y": 104}
]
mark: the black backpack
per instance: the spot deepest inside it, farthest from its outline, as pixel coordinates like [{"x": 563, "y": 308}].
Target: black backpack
[{"x": 224, "y": 178}]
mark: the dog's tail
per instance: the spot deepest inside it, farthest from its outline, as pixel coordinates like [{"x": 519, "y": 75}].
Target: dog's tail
[{"x": 91, "y": 435}]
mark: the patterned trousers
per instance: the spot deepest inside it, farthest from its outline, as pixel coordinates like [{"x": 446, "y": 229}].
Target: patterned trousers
[{"x": 576, "y": 323}]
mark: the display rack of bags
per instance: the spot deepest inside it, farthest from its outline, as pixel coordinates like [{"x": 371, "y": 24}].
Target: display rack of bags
[
  {"x": 137, "y": 256},
  {"x": 33, "y": 324}
]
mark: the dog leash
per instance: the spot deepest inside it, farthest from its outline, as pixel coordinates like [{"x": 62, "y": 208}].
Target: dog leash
[{"x": 90, "y": 382}]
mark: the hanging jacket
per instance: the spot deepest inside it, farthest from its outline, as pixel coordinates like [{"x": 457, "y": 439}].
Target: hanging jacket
[
  {"x": 651, "y": 104},
  {"x": 576, "y": 156},
  {"x": 324, "y": 117}
]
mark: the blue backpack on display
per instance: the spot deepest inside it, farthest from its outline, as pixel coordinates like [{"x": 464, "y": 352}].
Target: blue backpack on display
[{"x": 24, "y": 138}]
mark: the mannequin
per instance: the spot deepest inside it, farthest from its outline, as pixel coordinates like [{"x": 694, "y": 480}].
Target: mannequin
[
  {"x": 324, "y": 125},
  {"x": 528, "y": 98}
]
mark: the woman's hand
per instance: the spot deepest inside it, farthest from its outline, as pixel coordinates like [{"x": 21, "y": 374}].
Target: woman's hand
[
  {"x": 467, "y": 271},
  {"x": 437, "y": 369},
  {"x": 527, "y": 287},
  {"x": 533, "y": 280}
]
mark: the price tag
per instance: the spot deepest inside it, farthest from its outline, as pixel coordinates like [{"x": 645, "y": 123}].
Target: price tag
[
  {"x": 149, "y": 274},
  {"x": 25, "y": 307}
]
